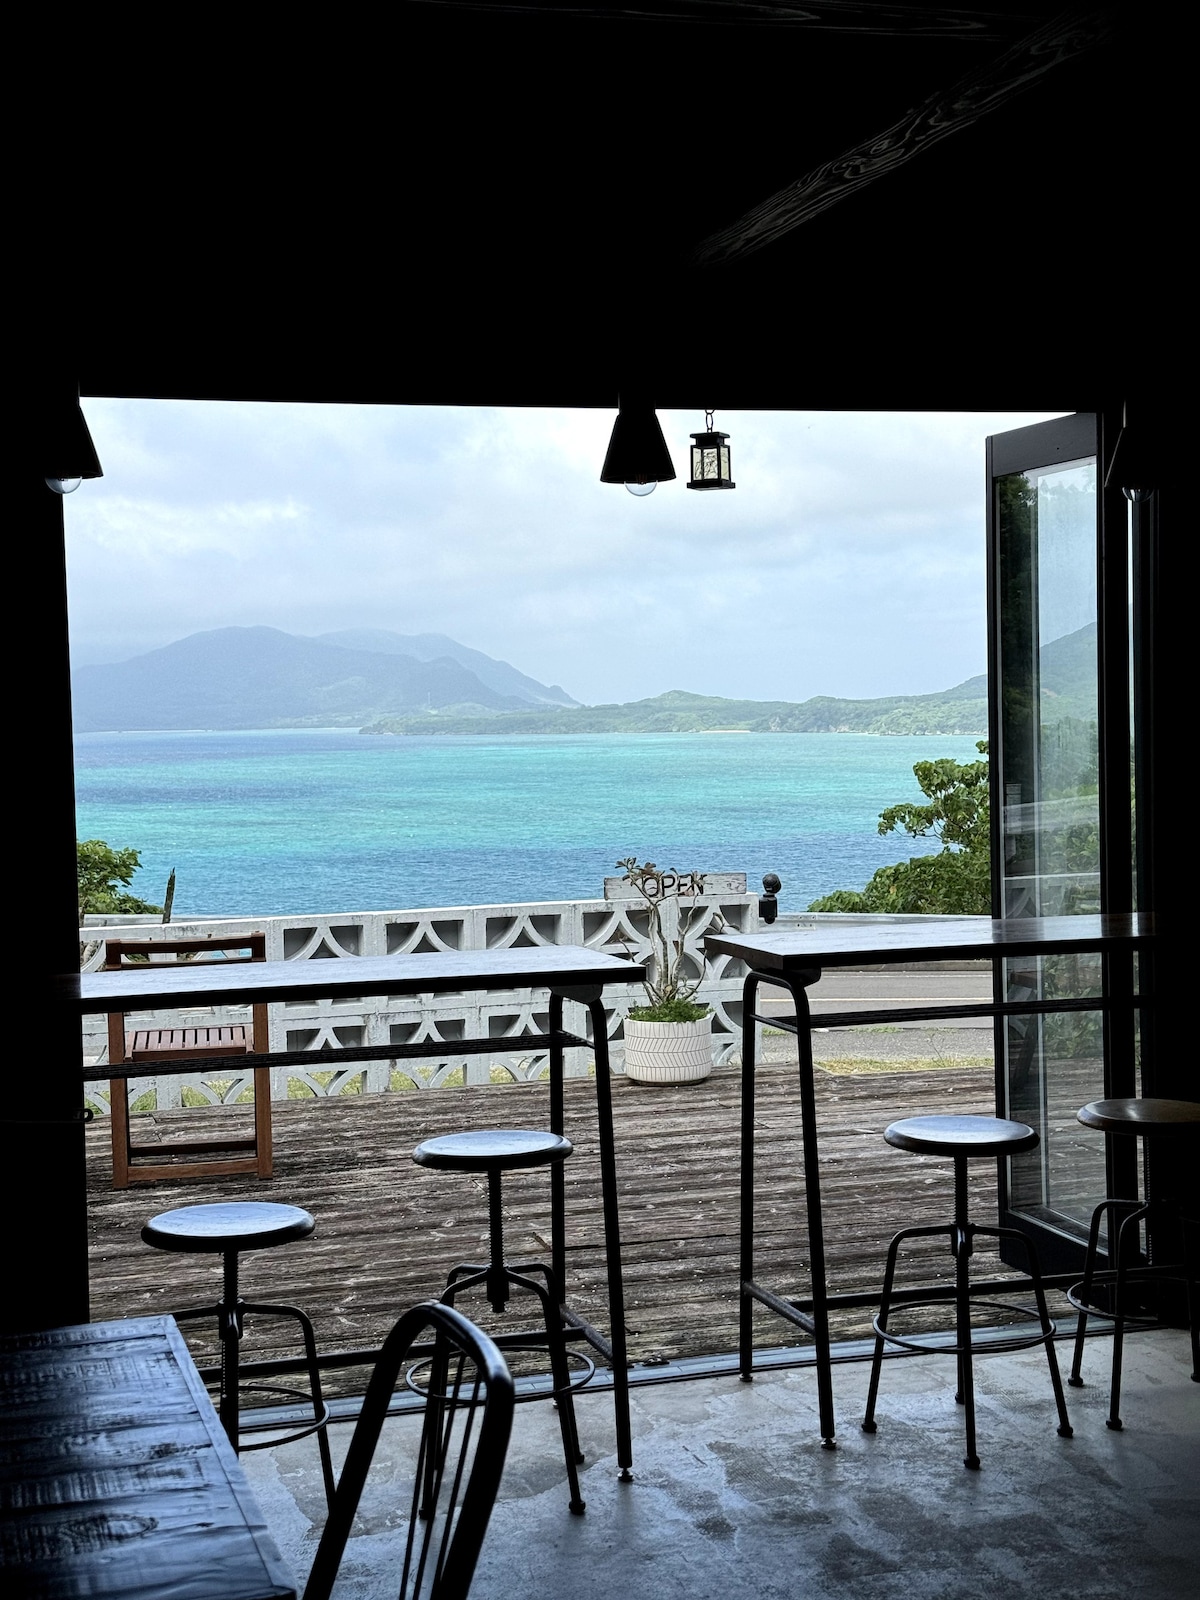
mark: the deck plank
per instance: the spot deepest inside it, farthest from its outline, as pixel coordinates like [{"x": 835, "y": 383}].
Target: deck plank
[{"x": 388, "y": 1231}]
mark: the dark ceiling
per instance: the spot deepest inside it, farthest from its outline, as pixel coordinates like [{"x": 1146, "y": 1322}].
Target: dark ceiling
[{"x": 511, "y": 203}]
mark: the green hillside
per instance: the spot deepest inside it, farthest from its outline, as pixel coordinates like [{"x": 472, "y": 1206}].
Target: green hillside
[{"x": 680, "y": 712}]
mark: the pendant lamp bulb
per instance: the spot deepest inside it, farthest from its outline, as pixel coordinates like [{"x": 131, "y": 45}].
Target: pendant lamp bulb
[{"x": 642, "y": 489}]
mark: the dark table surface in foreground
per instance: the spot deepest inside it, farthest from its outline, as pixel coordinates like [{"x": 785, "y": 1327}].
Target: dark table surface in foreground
[
  {"x": 116, "y": 1478},
  {"x": 931, "y": 939},
  {"x": 159, "y": 987}
]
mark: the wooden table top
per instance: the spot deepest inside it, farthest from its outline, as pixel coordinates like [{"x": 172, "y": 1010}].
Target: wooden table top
[
  {"x": 874, "y": 943},
  {"x": 116, "y": 1478},
  {"x": 160, "y": 987}
]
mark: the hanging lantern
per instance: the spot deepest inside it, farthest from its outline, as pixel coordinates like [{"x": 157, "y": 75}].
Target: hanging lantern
[{"x": 710, "y": 459}]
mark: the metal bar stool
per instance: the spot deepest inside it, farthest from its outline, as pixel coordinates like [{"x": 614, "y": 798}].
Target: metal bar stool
[
  {"x": 494, "y": 1152},
  {"x": 1159, "y": 1121},
  {"x": 226, "y": 1229},
  {"x": 961, "y": 1138}
]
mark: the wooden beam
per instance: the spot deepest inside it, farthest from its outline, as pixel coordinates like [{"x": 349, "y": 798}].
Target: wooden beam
[
  {"x": 939, "y": 116},
  {"x": 817, "y": 16}
]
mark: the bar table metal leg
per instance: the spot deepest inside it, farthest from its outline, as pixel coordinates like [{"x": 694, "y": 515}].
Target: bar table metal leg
[
  {"x": 746, "y": 1226},
  {"x": 815, "y": 1322},
  {"x": 615, "y": 1348}
]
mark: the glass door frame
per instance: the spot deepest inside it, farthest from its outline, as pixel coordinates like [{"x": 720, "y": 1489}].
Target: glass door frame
[{"x": 1046, "y": 445}]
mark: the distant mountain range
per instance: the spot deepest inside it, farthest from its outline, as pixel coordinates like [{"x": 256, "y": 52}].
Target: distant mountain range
[
  {"x": 1068, "y": 674},
  {"x": 497, "y": 675},
  {"x": 393, "y": 683},
  {"x": 264, "y": 678}
]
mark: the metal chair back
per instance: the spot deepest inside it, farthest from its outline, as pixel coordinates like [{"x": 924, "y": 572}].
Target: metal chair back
[{"x": 466, "y": 1423}]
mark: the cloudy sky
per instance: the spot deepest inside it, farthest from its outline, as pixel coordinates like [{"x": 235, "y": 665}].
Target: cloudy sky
[{"x": 848, "y": 561}]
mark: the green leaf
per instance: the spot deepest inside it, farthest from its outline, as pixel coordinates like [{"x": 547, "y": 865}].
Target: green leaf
[{"x": 669, "y": 1011}]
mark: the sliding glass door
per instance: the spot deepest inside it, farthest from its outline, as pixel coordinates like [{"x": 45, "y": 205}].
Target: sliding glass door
[{"x": 1050, "y": 633}]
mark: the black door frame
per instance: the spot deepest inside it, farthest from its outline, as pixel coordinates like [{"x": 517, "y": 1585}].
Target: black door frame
[{"x": 1046, "y": 444}]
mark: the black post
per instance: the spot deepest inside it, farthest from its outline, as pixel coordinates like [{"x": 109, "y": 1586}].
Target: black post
[
  {"x": 768, "y": 900},
  {"x": 44, "y": 1194}
]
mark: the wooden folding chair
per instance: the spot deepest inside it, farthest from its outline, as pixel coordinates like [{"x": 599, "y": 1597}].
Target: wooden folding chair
[{"x": 195, "y": 1158}]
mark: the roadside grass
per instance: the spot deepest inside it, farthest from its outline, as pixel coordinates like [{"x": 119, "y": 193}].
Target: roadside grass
[{"x": 853, "y": 1066}]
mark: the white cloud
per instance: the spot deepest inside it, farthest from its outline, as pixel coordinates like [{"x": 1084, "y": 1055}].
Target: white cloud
[
  {"x": 849, "y": 560},
  {"x": 155, "y": 530}
]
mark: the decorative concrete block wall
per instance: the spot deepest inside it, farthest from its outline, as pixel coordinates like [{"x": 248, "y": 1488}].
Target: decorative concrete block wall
[{"x": 616, "y": 924}]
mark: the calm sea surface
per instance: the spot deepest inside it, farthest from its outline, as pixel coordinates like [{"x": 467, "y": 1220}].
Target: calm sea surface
[{"x": 327, "y": 820}]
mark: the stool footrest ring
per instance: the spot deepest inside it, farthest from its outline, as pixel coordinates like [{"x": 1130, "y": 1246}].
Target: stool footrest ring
[
  {"x": 412, "y": 1382},
  {"x": 921, "y": 1343},
  {"x": 1135, "y": 1320},
  {"x": 273, "y": 1428}
]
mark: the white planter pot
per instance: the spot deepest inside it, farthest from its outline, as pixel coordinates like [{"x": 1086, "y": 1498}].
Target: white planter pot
[{"x": 668, "y": 1052}]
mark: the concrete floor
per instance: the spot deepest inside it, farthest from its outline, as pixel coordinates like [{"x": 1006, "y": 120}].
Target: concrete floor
[{"x": 733, "y": 1496}]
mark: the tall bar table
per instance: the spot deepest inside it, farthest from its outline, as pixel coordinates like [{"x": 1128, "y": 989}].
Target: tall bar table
[
  {"x": 792, "y": 959},
  {"x": 565, "y": 972}
]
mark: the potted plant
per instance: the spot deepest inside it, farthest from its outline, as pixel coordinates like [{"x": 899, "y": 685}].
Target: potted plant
[{"x": 668, "y": 1040}]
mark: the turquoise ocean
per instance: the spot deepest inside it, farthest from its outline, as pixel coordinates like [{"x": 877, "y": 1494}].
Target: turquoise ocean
[{"x": 319, "y": 820}]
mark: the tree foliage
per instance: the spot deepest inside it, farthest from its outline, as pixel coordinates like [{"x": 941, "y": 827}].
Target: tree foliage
[
  {"x": 104, "y": 877},
  {"x": 957, "y": 878}
]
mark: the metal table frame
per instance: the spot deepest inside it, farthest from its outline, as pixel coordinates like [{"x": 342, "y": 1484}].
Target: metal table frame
[
  {"x": 792, "y": 959},
  {"x": 566, "y": 972}
]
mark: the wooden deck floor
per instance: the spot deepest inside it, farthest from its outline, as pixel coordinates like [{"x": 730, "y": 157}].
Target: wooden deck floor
[{"x": 388, "y": 1231}]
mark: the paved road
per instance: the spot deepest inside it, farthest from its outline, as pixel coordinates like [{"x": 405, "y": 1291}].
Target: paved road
[{"x": 844, "y": 989}]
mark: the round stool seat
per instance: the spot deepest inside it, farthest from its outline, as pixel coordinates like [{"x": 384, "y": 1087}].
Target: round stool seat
[
  {"x": 961, "y": 1136},
  {"x": 492, "y": 1150},
  {"x": 240, "y": 1225},
  {"x": 1142, "y": 1117}
]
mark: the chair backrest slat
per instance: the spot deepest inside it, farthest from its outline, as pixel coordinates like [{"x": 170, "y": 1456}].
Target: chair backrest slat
[{"x": 121, "y": 952}]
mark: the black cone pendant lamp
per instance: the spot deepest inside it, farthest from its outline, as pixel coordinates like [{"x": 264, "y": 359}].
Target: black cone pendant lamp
[
  {"x": 637, "y": 452},
  {"x": 66, "y": 448}
]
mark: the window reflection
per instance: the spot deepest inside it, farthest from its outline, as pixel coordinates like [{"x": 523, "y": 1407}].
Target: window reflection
[{"x": 1046, "y": 523}]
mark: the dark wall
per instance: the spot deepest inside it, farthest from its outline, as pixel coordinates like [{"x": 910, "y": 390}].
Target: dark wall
[{"x": 498, "y": 208}]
